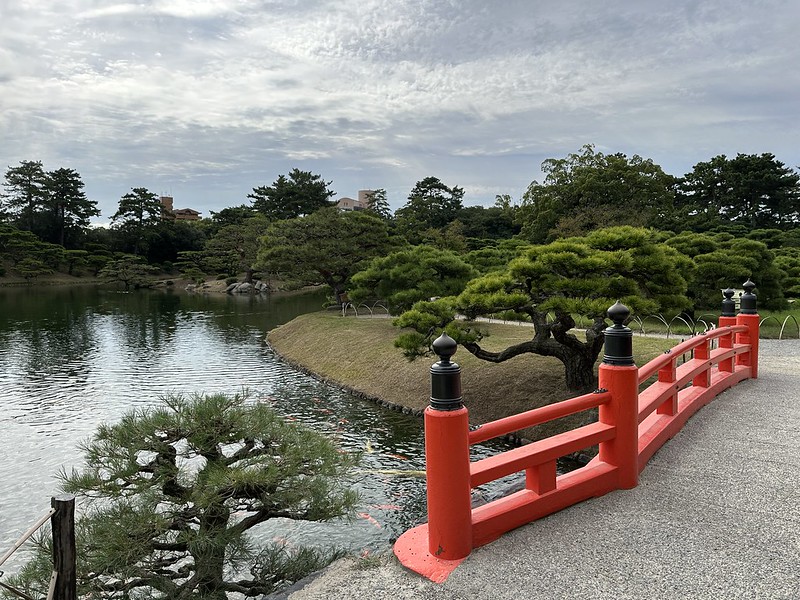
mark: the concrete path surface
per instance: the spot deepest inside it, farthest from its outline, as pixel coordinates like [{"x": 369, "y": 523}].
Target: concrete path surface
[{"x": 716, "y": 515}]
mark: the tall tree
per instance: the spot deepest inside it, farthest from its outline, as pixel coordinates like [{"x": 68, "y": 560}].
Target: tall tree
[
  {"x": 302, "y": 193},
  {"x": 576, "y": 276},
  {"x": 139, "y": 212},
  {"x": 431, "y": 205},
  {"x": 589, "y": 190},
  {"x": 756, "y": 191},
  {"x": 232, "y": 215},
  {"x": 234, "y": 248},
  {"x": 170, "y": 237},
  {"x": 328, "y": 246},
  {"x": 175, "y": 491},
  {"x": 25, "y": 192},
  {"x": 69, "y": 206},
  {"x": 484, "y": 223},
  {"x": 378, "y": 204}
]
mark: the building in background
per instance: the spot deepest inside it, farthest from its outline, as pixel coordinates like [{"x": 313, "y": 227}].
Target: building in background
[
  {"x": 177, "y": 214},
  {"x": 362, "y": 203}
]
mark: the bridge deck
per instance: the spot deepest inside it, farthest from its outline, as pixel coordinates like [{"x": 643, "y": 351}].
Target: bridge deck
[{"x": 716, "y": 515}]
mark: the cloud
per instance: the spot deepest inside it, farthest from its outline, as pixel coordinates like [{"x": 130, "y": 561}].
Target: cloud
[{"x": 210, "y": 98}]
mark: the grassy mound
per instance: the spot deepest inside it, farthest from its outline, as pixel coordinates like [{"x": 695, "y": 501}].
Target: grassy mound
[{"x": 358, "y": 353}]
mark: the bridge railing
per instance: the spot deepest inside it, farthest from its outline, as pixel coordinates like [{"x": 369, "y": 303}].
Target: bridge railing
[{"x": 634, "y": 420}]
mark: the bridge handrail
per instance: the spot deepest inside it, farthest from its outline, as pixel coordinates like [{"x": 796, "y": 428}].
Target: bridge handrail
[
  {"x": 537, "y": 416},
  {"x": 659, "y": 362},
  {"x": 632, "y": 425}
]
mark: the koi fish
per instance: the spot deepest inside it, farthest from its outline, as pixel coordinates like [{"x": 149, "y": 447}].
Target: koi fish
[
  {"x": 370, "y": 519},
  {"x": 400, "y": 456},
  {"x": 386, "y": 506},
  {"x": 410, "y": 472}
]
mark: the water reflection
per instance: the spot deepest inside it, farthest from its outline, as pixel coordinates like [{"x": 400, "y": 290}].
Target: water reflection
[{"x": 72, "y": 358}]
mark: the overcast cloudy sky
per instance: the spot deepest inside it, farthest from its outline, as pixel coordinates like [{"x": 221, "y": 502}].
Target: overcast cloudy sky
[{"x": 206, "y": 99}]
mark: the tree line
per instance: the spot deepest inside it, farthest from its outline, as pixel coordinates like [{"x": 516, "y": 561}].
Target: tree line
[{"x": 598, "y": 228}]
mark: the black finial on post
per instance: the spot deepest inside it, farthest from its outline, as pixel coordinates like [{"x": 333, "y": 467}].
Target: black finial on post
[
  {"x": 618, "y": 338},
  {"x": 728, "y": 304},
  {"x": 747, "y": 304},
  {"x": 445, "y": 376}
]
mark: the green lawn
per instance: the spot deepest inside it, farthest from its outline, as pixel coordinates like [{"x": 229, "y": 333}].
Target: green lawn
[{"x": 358, "y": 352}]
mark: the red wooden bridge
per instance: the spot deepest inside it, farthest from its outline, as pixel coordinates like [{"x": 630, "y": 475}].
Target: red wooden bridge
[{"x": 636, "y": 417}]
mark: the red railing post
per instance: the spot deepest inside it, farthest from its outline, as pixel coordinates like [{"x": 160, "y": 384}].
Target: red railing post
[
  {"x": 620, "y": 376},
  {"x": 668, "y": 374},
  {"x": 447, "y": 459},
  {"x": 703, "y": 352},
  {"x": 727, "y": 319},
  {"x": 748, "y": 316}
]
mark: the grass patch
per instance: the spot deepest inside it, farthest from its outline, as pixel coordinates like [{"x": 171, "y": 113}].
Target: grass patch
[
  {"x": 775, "y": 324},
  {"x": 780, "y": 324},
  {"x": 359, "y": 353}
]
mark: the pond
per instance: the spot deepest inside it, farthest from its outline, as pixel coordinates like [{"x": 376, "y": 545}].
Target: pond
[{"x": 73, "y": 357}]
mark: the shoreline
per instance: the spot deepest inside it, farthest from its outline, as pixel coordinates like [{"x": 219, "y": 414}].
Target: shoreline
[
  {"x": 214, "y": 286},
  {"x": 408, "y": 410}
]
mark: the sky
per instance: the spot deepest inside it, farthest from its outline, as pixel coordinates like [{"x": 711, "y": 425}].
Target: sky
[{"x": 204, "y": 100}]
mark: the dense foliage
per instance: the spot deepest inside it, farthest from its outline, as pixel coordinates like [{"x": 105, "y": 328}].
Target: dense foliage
[
  {"x": 598, "y": 228},
  {"x": 591, "y": 190},
  {"x": 748, "y": 198},
  {"x": 327, "y": 247},
  {"x": 548, "y": 285},
  {"x": 172, "y": 492},
  {"x": 405, "y": 277}
]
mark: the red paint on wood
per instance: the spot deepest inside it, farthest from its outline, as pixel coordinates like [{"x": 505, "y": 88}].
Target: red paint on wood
[
  {"x": 669, "y": 405},
  {"x": 622, "y": 412},
  {"x": 702, "y": 354},
  {"x": 542, "y": 478},
  {"x": 749, "y": 359},
  {"x": 539, "y": 452},
  {"x": 411, "y": 550},
  {"x": 631, "y": 428},
  {"x": 725, "y": 342},
  {"x": 537, "y": 416},
  {"x": 449, "y": 498},
  {"x": 496, "y": 518}
]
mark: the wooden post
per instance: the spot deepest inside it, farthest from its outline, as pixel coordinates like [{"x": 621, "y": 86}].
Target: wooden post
[
  {"x": 703, "y": 352},
  {"x": 63, "y": 524}
]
